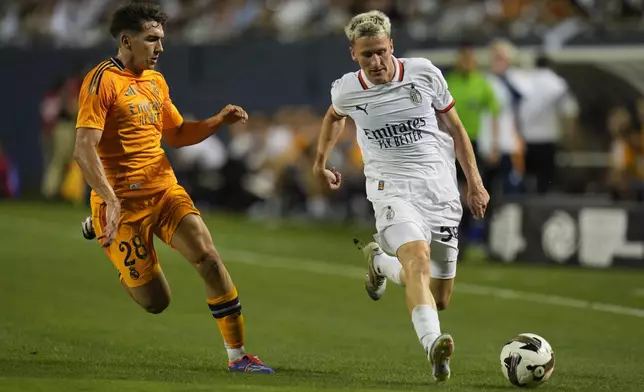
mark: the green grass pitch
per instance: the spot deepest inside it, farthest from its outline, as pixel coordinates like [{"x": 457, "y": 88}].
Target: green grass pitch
[{"x": 66, "y": 324}]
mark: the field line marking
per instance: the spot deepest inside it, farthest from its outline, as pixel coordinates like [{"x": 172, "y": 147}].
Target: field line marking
[{"x": 316, "y": 266}]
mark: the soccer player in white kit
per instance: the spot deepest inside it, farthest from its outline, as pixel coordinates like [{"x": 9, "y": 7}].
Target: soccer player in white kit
[{"x": 409, "y": 164}]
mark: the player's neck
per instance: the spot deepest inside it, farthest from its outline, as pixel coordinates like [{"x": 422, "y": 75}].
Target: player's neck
[{"x": 128, "y": 63}]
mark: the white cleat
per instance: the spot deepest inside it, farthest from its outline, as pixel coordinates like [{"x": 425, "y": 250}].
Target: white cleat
[
  {"x": 439, "y": 356},
  {"x": 375, "y": 284}
]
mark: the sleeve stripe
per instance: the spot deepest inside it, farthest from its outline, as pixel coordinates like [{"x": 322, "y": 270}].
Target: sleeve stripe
[
  {"x": 448, "y": 108},
  {"x": 97, "y": 69},
  {"x": 98, "y": 82},
  {"x": 98, "y": 75}
]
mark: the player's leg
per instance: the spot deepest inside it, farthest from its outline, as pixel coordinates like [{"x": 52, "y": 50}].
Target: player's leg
[
  {"x": 413, "y": 253},
  {"x": 133, "y": 255},
  {"x": 443, "y": 271},
  {"x": 153, "y": 296},
  {"x": 383, "y": 267},
  {"x": 181, "y": 226}
]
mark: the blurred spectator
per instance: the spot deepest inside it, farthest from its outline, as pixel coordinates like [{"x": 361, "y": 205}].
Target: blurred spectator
[
  {"x": 627, "y": 164},
  {"x": 200, "y": 165},
  {"x": 8, "y": 176},
  {"x": 504, "y": 172},
  {"x": 63, "y": 133},
  {"x": 547, "y": 111},
  {"x": 83, "y": 23}
]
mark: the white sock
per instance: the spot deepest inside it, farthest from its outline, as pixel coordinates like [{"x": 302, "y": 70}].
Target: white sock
[
  {"x": 235, "y": 353},
  {"x": 426, "y": 324},
  {"x": 388, "y": 267}
]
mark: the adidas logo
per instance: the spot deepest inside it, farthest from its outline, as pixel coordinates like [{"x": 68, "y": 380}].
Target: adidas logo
[{"x": 130, "y": 91}]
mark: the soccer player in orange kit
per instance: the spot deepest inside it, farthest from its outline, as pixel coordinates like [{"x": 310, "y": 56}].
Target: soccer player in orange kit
[{"x": 124, "y": 111}]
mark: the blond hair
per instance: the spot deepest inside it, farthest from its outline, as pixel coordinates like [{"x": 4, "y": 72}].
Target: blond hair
[
  {"x": 505, "y": 47},
  {"x": 368, "y": 24}
]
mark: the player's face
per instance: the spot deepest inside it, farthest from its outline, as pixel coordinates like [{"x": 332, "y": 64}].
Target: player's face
[
  {"x": 500, "y": 60},
  {"x": 147, "y": 45},
  {"x": 374, "y": 56}
]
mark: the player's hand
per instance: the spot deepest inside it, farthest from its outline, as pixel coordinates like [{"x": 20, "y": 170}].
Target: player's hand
[
  {"x": 112, "y": 216},
  {"x": 332, "y": 177},
  {"x": 232, "y": 114},
  {"x": 477, "y": 200}
]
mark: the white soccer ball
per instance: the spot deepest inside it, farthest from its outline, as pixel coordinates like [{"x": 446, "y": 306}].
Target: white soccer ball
[{"x": 527, "y": 360}]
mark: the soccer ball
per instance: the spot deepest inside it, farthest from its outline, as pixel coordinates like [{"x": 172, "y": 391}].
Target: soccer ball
[{"x": 527, "y": 360}]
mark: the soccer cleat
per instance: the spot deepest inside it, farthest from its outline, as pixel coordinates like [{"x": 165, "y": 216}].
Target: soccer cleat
[
  {"x": 375, "y": 284},
  {"x": 249, "y": 364},
  {"x": 88, "y": 229},
  {"x": 439, "y": 356}
]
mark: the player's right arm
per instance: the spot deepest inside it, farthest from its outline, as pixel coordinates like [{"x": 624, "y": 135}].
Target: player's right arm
[
  {"x": 332, "y": 126},
  {"x": 86, "y": 156},
  {"x": 95, "y": 99}
]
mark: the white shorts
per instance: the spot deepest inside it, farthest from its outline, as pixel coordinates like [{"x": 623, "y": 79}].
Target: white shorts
[{"x": 406, "y": 215}]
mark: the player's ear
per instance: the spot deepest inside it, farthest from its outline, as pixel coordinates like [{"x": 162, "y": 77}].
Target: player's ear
[
  {"x": 126, "y": 41},
  {"x": 391, "y": 45},
  {"x": 352, "y": 50}
]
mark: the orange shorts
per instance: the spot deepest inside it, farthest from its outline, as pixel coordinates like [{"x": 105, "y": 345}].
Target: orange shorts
[{"x": 132, "y": 251}]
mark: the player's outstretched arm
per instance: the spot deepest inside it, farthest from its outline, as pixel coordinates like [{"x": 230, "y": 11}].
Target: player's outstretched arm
[
  {"x": 194, "y": 132},
  {"x": 478, "y": 197},
  {"x": 332, "y": 127}
]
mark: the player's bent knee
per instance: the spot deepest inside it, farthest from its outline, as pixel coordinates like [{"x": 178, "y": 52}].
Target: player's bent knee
[
  {"x": 415, "y": 258},
  {"x": 153, "y": 296},
  {"x": 417, "y": 266},
  {"x": 157, "y": 307}
]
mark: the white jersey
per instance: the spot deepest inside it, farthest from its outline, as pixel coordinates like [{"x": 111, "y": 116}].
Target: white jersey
[{"x": 397, "y": 128}]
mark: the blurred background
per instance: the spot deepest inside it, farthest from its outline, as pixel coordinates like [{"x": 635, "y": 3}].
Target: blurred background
[{"x": 560, "y": 82}]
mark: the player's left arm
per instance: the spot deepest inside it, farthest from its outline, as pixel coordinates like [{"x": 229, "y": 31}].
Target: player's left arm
[
  {"x": 477, "y": 196},
  {"x": 462, "y": 146},
  {"x": 178, "y": 132}
]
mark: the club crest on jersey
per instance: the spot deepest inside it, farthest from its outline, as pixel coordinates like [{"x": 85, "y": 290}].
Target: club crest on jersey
[
  {"x": 415, "y": 95},
  {"x": 390, "y": 213},
  {"x": 154, "y": 87}
]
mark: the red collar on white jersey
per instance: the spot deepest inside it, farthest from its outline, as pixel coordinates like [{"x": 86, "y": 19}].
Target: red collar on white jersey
[{"x": 399, "y": 74}]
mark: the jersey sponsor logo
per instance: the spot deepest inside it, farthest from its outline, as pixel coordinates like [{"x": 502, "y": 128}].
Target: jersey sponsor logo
[
  {"x": 148, "y": 113},
  {"x": 363, "y": 108},
  {"x": 396, "y": 135}
]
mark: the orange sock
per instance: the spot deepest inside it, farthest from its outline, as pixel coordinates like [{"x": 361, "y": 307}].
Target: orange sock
[{"x": 227, "y": 311}]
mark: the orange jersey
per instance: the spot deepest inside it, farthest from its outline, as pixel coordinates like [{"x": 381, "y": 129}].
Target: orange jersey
[{"x": 132, "y": 111}]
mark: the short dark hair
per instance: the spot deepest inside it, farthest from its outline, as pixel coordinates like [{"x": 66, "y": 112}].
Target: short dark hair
[
  {"x": 466, "y": 45},
  {"x": 133, "y": 15}
]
